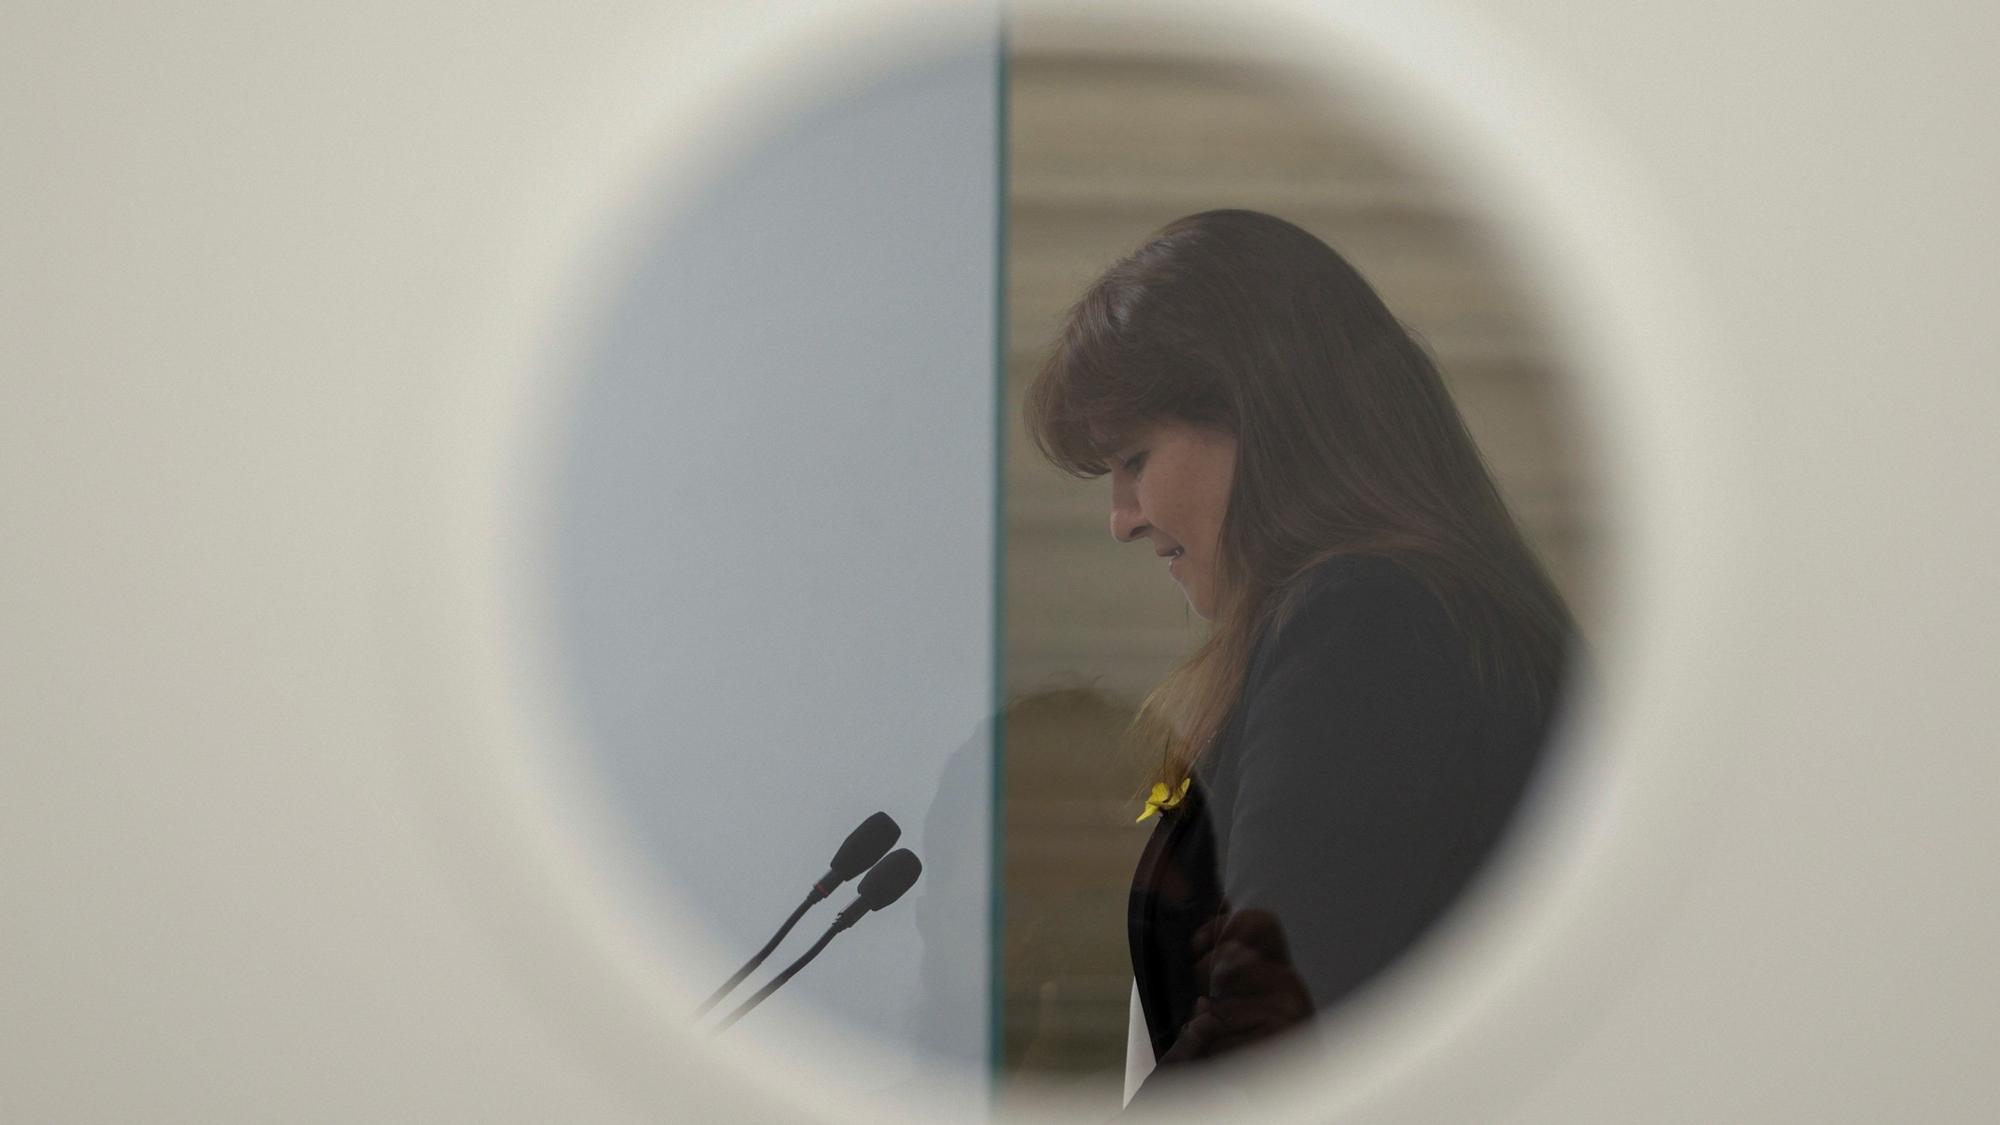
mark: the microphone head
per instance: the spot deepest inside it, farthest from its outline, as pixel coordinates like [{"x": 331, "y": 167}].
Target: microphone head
[
  {"x": 887, "y": 880},
  {"x": 864, "y": 846}
]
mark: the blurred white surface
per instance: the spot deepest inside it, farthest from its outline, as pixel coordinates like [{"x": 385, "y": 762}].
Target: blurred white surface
[{"x": 277, "y": 832}]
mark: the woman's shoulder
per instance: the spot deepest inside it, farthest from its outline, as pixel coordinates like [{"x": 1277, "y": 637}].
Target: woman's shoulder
[
  {"x": 1366, "y": 623},
  {"x": 1351, "y": 574},
  {"x": 1356, "y": 595}
]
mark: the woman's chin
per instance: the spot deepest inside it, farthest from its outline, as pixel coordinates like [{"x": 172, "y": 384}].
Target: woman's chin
[{"x": 1199, "y": 605}]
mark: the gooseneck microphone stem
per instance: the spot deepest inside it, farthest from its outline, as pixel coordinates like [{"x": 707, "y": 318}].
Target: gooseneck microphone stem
[
  {"x": 847, "y": 918},
  {"x": 862, "y": 851},
  {"x": 885, "y": 882},
  {"x": 819, "y": 891}
]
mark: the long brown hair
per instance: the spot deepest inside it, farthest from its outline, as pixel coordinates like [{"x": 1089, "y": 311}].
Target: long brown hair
[{"x": 1347, "y": 443}]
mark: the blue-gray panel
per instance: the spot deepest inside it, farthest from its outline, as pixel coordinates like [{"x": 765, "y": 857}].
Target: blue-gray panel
[{"x": 777, "y": 541}]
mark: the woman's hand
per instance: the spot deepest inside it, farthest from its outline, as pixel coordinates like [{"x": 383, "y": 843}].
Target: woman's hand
[{"x": 1249, "y": 990}]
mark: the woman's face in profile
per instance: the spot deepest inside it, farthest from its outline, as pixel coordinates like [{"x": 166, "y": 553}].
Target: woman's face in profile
[{"x": 1170, "y": 486}]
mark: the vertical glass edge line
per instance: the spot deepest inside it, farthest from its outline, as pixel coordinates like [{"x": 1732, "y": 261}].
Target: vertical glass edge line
[{"x": 996, "y": 902}]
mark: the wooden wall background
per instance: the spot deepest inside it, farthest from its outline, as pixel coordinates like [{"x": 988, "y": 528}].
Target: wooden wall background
[{"x": 1104, "y": 148}]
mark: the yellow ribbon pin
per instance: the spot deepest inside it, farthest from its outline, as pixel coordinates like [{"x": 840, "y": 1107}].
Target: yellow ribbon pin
[{"x": 1161, "y": 800}]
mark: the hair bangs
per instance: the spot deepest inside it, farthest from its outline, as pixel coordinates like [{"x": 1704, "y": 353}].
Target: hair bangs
[{"x": 1084, "y": 402}]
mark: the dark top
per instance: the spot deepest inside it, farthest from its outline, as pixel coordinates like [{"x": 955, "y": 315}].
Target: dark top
[{"x": 1355, "y": 790}]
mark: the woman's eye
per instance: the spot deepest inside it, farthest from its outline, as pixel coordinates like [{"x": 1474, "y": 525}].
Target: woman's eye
[{"x": 1133, "y": 462}]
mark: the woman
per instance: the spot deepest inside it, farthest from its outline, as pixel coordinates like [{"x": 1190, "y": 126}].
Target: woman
[{"x": 1345, "y": 746}]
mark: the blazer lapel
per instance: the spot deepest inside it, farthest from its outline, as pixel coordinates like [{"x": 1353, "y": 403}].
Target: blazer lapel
[{"x": 1174, "y": 890}]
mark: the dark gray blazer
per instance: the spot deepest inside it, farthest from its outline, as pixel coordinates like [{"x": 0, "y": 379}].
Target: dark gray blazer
[{"x": 1353, "y": 794}]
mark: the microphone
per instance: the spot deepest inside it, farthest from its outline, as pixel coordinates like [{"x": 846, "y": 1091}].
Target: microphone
[
  {"x": 859, "y": 852},
  {"x": 886, "y": 882}
]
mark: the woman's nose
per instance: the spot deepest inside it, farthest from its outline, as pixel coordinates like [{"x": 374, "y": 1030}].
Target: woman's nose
[{"x": 1126, "y": 522}]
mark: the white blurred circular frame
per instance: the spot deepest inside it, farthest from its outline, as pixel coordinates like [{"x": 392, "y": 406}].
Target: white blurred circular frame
[{"x": 1518, "y": 972}]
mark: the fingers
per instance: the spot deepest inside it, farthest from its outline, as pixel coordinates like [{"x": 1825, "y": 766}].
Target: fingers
[
  {"x": 1256, "y": 928},
  {"x": 1243, "y": 952},
  {"x": 1204, "y": 936},
  {"x": 1194, "y": 1041},
  {"x": 1222, "y": 1025},
  {"x": 1249, "y": 990}
]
